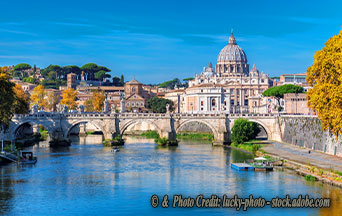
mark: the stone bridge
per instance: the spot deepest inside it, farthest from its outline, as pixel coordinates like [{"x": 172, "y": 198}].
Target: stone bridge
[{"x": 59, "y": 125}]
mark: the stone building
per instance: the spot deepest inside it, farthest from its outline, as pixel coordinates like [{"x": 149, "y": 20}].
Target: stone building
[
  {"x": 229, "y": 88},
  {"x": 71, "y": 80},
  {"x": 297, "y": 104},
  {"x": 136, "y": 96}
]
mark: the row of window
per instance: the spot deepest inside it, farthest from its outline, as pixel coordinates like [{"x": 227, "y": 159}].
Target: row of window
[
  {"x": 213, "y": 102},
  {"x": 132, "y": 104}
]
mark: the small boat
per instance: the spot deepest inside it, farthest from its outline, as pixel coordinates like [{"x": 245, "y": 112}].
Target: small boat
[
  {"x": 26, "y": 157},
  {"x": 115, "y": 150}
]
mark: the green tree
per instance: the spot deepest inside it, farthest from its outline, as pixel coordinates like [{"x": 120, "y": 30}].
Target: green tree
[
  {"x": 56, "y": 68},
  {"x": 90, "y": 69},
  {"x": 170, "y": 84},
  {"x": 72, "y": 69},
  {"x": 116, "y": 81},
  {"x": 158, "y": 105},
  {"x": 244, "y": 130},
  {"x": 52, "y": 75},
  {"x": 7, "y": 98},
  {"x": 325, "y": 78},
  {"x": 122, "y": 80},
  {"x": 278, "y": 91},
  {"x": 100, "y": 75},
  {"x": 22, "y": 66}
]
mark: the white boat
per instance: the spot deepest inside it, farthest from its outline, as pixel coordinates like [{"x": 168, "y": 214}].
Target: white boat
[{"x": 115, "y": 150}]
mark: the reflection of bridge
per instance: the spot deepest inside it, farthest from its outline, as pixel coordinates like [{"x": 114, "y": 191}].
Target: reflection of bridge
[{"x": 59, "y": 125}]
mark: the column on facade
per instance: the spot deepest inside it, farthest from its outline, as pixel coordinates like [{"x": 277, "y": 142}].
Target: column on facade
[{"x": 228, "y": 105}]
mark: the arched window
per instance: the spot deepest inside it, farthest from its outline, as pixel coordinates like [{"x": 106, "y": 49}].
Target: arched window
[{"x": 133, "y": 89}]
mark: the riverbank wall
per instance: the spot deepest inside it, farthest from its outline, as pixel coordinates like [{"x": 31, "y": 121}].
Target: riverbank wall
[{"x": 307, "y": 132}]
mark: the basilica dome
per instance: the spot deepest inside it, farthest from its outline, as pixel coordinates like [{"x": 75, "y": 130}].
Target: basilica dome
[{"x": 232, "y": 52}]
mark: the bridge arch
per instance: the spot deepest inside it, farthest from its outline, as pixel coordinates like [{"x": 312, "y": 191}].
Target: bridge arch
[
  {"x": 75, "y": 123},
  {"x": 261, "y": 124},
  {"x": 189, "y": 121},
  {"x": 14, "y": 130},
  {"x": 133, "y": 122}
]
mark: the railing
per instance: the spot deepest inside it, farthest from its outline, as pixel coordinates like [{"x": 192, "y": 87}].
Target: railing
[{"x": 153, "y": 115}]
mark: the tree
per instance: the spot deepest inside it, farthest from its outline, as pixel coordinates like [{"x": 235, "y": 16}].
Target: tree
[
  {"x": 100, "y": 75},
  {"x": 22, "y": 100},
  {"x": 90, "y": 69},
  {"x": 22, "y": 67},
  {"x": 52, "y": 75},
  {"x": 187, "y": 79},
  {"x": 52, "y": 101},
  {"x": 38, "y": 96},
  {"x": 170, "y": 84},
  {"x": 72, "y": 69},
  {"x": 116, "y": 81},
  {"x": 7, "y": 98},
  {"x": 158, "y": 105},
  {"x": 56, "y": 68},
  {"x": 95, "y": 103},
  {"x": 244, "y": 130},
  {"x": 69, "y": 98},
  {"x": 325, "y": 78},
  {"x": 122, "y": 80},
  {"x": 29, "y": 80},
  {"x": 278, "y": 91}
]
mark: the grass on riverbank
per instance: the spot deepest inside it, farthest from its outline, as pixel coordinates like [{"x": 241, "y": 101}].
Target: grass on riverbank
[
  {"x": 250, "y": 146},
  {"x": 150, "y": 134},
  {"x": 195, "y": 136}
]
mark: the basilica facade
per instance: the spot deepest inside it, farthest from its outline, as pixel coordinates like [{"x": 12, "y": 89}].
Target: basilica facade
[{"x": 230, "y": 87}]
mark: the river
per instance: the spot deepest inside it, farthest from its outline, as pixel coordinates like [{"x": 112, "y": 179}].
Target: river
[{"x": 88, "y": 179}]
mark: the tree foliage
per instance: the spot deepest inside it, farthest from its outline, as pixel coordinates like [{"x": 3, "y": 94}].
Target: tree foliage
[
  {"x": 95, "y": 103},
  {"x": 158, "y": 105},
  {"x": 69, "y": 98},
  {"x": 170, "y": 84},
  {"x": 278, "y": 91},
  {"x": 7, "y": 98},
  {"x": 38, "y": 96},
  {"x": 22, "y": 101},
  {"x": 22, "y": 66},
  {"x": 325, "y": 76},
  {"x": 52, "y": 100},
  {"x": 244, "y": 130}
]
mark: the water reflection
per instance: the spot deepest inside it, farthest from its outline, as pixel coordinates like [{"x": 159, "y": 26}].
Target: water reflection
[{"x": 87, "y": 178}]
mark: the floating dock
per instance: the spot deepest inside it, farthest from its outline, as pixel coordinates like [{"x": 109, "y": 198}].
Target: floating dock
[{"x": 248, "y": 167}]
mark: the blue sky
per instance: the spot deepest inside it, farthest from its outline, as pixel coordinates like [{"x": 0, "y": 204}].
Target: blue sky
[{"x": 160, "y": 40}]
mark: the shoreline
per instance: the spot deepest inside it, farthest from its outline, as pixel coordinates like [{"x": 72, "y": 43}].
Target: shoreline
[{"x": 324, "y": 176}]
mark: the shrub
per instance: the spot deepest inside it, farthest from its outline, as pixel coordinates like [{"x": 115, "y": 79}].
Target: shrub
[{"x": 310, "y": 178}]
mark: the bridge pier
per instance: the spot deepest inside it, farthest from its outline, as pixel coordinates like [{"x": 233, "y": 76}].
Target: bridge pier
[
  {"x": 57, "y": 139},
  {"x": 221, "y": 139}
]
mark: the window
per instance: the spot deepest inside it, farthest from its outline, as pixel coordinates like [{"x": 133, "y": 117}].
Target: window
[
  {"x": 135, "y": 96},
  {"x": 202, "y": 103},
  {"x": 133, "y": 89},
  {"x": 232, "y": 102},
  {"x": 201, "y": 90},
  {"x": 127, "y": 104},
  {"x": 142, "y": 104},
  {"x": 201, "y": 108},
  {"x": 213, "y": 102},
  {"x": 246, "y": 102}
]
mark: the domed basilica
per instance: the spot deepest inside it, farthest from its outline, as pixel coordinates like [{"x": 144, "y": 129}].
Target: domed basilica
[{"x": 231, "y": 88}]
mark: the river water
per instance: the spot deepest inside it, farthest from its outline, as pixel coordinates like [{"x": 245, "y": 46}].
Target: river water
[{"x": 88, "y": 179}]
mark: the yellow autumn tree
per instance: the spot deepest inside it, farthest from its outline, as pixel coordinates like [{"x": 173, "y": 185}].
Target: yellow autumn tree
[
  {"x": 52, "y": 100},
  {"x": 38, "y": 96},
  {"x": 69, "y": 98},
  {"x": 325, "y": 77},
  {"x": 21, "y": 104},
  {"x": 7, "y": 98},
  {"x": 95, "y": 103}
]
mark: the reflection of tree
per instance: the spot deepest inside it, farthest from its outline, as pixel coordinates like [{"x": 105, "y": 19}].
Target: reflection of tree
[
  {"x": 335, "y": 196},
  {"x": 6, "y": 191}
]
